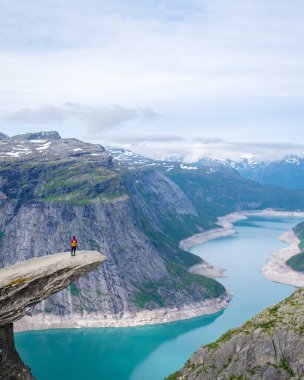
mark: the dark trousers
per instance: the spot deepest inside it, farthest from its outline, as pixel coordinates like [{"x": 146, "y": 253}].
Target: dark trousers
[{"x": 73, "y": 251}]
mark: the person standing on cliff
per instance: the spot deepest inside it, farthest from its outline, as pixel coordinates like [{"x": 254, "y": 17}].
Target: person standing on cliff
[{"x": 73, "y": 246}]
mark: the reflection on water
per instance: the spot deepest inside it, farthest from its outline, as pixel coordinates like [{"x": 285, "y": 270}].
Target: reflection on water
[{"x": 152, "y": 352}]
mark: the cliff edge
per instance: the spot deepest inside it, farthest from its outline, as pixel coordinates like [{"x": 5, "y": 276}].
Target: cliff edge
[
  {"x": 269, "y": 346},
  {"x": 25, "y": 284}
]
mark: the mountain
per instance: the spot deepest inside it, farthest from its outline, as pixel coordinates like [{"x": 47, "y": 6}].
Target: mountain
[
  {"x": 127, "y": 160},
  {"x": 52, "y": 188},
  {"x": 288, "y": 172},
  {"x": 269, "y": 346},
  {"x": 134, "y": 210}
]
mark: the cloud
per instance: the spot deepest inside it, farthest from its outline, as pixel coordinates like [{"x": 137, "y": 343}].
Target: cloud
[
  {"x": 209, "y": 140},
  {"x": 191, "y": 150},
  {"x": 143, "y": 138},
  {"x": 231, "y": 69},
  {"x": 96, "y": 118}
]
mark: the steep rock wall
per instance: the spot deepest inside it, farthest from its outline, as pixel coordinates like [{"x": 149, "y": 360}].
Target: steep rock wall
[{"x": 66, "y": 187}]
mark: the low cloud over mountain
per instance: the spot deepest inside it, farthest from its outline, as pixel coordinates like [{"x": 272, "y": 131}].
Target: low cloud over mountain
[{"x": 97, "y": 118}]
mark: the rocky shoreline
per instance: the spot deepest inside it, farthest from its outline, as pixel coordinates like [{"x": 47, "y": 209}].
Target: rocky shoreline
[
  {"x": 276, "y": 268},
  {"x": 225, "y": 229},
  {"x": 145, "y": 317},
  {"x": 226, "y": 225}
]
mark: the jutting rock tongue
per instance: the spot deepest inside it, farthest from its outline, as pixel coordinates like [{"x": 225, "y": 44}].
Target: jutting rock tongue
[{"x": 25, "y": 284}]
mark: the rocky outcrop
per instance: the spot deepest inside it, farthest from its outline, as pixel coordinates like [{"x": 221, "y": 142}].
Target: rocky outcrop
[
  {"x": 269, "y": 346},
  {"x": 24, "y": 285}
]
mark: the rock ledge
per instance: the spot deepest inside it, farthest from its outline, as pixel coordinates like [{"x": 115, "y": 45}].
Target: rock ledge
[{"x": 25, "y": 284}]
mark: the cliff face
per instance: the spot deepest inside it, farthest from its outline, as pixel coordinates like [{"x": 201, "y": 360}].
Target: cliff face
[
  {"x": 24, "y": 285},
  {"x": 269, "y": 346},
  {"x": 53, "y": 188},
  {"x": 11, "y": 366}
]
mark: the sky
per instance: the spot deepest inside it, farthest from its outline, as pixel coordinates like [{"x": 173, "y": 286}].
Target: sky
[{"x": 193, "y": 78}]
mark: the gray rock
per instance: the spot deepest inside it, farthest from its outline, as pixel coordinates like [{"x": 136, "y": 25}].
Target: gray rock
[
  {"x": 11, "y": 365},
  {"x": 24, "y": 285},
  {"x": 269, "y": 346},
  {"x": 50, "y": 135}
]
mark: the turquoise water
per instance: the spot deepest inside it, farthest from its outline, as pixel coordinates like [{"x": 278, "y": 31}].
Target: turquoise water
[{"x": 152, "y": 352}]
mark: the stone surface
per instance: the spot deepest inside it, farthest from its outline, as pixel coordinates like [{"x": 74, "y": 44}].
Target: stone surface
[
  {"x": 11, "y": 365},
  {"x": 269, "y": 346},
  {"x": 25, "y": 284}
]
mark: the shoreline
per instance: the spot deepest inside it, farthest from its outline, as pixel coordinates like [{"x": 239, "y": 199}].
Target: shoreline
[
  {"x": 276, "y": 268},
  {"x": 145, "y": 317},
  {"x": 227, "y": 228}
]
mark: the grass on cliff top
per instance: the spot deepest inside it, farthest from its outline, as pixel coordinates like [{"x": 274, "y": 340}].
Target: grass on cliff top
[
  {"x": 17, "y": 281},
  {"x": 79, "y": 184}
]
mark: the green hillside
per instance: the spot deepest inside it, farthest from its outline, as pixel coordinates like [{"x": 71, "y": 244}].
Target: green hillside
[{"x": 297, "y": 262}]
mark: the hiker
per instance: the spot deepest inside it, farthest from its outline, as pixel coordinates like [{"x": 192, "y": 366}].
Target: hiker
[{"x": 73, "y": 246}]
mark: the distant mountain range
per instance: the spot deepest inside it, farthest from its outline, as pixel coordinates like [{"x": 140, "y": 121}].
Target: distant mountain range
[{"x": 287, "y": 172}]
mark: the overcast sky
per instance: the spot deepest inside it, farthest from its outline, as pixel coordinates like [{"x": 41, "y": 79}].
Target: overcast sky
[{"x": 223, "y": 78}]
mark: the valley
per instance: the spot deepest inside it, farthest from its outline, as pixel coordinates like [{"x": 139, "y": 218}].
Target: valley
[{"x": 53, "y": 188}]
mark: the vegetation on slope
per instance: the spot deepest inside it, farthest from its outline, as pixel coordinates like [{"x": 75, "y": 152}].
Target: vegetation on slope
[
  {"x": 67, "y": 181},
  {"x": 177, "y": 263},
  {"x": 296, "y": 262},
  {"x": 221, "y": 192},
  {"x": 81, "y": 182},
  {"x": 267, "y": 346}
]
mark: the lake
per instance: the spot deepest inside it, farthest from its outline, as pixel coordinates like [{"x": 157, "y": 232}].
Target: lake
[{"x": 153, "y": 352}]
